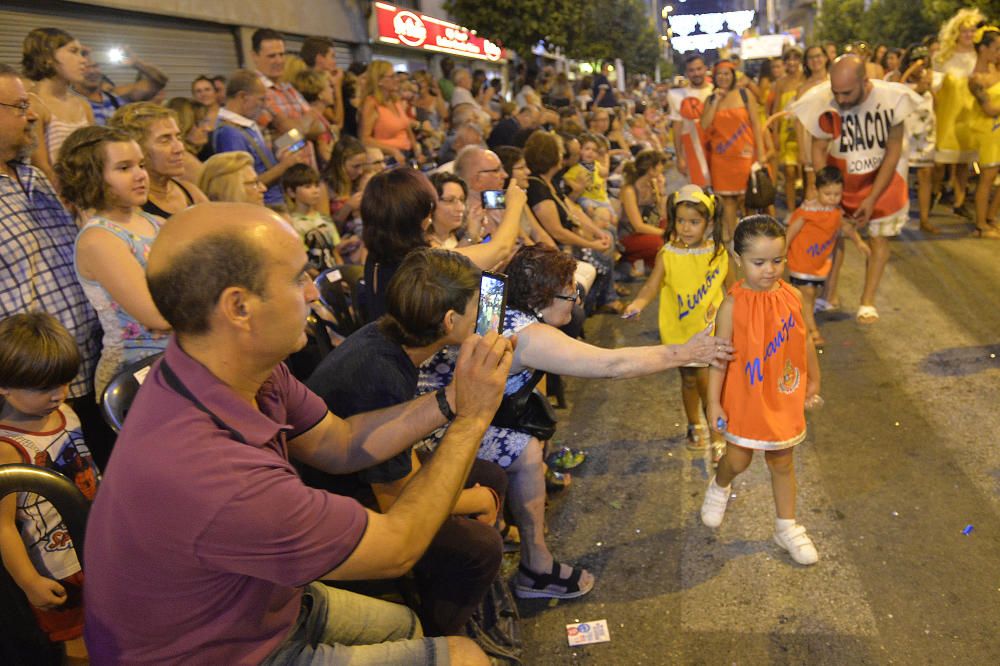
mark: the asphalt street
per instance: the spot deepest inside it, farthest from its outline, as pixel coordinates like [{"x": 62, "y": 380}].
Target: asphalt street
[{"x": 898, "y": 465}]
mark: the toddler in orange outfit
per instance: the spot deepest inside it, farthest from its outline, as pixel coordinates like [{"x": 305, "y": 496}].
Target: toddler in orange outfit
[
  {"x": 813, "y": 231},
  {"x": 757, "y": 401}
]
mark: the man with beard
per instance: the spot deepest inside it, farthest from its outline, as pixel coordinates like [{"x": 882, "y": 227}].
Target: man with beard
[
  {"x": 686, "y": 105},
  {"x": 36, "y": 254},
  {"x": 857, "y": 126}
]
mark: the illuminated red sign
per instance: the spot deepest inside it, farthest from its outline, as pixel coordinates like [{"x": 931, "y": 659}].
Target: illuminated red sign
[{"x": 397, "y": 25}]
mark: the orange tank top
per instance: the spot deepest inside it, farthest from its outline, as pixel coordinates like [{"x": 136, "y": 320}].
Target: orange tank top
[
  {"x": 391, "y": 125},
  {"x": 810, "y": 254},
  {"x": 765, "y": 385}
]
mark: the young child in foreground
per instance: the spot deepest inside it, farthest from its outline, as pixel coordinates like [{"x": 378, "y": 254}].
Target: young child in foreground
[
  {"x": 689, "y": 274},
  {"x": 813, "y": 231},
  {"x": 38, "y": 359},
  {"x": 757, "y": 402}
]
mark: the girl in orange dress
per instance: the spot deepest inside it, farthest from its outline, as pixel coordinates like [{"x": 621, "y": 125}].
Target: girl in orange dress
[
  {"x": 732, "y": 124},
  {"x": 813, "y": 231},
  {"x": 757, "y": 402}
]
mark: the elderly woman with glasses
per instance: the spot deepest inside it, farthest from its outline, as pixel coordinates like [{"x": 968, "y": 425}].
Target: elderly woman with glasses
[{"x": 540, "y": 298}]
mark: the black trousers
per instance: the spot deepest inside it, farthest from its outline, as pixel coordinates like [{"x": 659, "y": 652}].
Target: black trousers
[{"x": 460, "y": 564}]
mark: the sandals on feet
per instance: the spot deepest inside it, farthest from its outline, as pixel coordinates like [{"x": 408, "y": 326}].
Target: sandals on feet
[
  {"x": 988, "y": 232},
  {"x": 867, "y": 314},
  {"x": 566, "y": 458},
  {"x": 541, "y": 585},
  {"x": 555, "y": 481}
]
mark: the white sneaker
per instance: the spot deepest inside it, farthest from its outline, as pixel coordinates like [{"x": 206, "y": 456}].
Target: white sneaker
[
  {"x": 714, "y": 506},
  {"x": 797, "y": 543}
]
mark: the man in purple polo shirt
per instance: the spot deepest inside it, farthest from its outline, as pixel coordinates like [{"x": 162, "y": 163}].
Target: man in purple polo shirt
[{"x": 203, "y": 544}]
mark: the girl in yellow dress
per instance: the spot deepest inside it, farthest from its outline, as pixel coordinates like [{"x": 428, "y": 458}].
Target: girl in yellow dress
[
  {"x": 689, "y": 274},
  {"x": 984, "y": 125},
  {"x": 954, "y": 63},
  {"x": 785, "y": 91}
]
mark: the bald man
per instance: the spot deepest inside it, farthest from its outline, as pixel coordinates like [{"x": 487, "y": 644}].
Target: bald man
[
  {"x": 204, "y": 545},
  {"x": 857, "y": 126}
]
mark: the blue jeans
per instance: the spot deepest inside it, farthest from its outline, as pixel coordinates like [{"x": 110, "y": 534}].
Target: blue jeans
[{"x": 340, "y": 627}]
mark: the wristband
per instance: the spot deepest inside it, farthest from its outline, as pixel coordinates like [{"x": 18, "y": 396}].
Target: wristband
[{"x": 442, "y": 401}]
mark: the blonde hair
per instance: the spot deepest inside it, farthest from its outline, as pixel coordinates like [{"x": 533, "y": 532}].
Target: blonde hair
[
  {"x": 294, "y": 65},
  {"x": 376, "y": 70},
  {"x": 220, "y": 179},
  {"x": 948, "y": 37},
  {"x": 137, "y": 118},
  {"x": 189, "y": 113}
]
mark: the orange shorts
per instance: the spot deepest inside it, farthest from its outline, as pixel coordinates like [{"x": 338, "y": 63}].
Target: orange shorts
[{"x": 65, "y": 622}]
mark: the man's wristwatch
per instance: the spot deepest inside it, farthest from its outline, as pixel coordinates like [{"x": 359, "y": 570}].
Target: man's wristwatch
[{"x": 442, "y": 400}]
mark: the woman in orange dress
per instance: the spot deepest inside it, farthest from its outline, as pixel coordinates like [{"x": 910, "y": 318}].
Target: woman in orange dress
[
  {"x": 732, "y": 124},
  {"x": 757, "y": 401}
]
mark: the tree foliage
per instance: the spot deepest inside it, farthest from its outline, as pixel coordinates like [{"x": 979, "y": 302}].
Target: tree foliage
[
  {"x": 590, "y": 31},
  {"x": 520, "y": 24},
  {"x": 893, "y": 22},
  {"x": 617, "y": 29}
]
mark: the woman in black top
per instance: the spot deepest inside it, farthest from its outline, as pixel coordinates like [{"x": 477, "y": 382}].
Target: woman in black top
[
  {"x": 155, "y": 129},
  {"x": 566, "y": 222}
]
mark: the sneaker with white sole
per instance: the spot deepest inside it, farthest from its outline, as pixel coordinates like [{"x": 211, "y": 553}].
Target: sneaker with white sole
[
  {"x": 714, "y": 507},
  {"x": 797, "y": 543}
]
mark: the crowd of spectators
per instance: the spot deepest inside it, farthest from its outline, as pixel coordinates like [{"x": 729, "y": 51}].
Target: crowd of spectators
[{"x": 200, "y": 230}]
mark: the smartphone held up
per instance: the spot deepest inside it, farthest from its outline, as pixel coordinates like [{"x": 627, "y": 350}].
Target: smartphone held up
[
  {"x": 494, "y": 199},
  {"x": 492, "y": 302}
]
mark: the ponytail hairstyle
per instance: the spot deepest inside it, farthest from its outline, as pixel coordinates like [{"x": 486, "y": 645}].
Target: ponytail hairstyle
[
  {"x": 755, "y": 226},
  {"x": 706, "y": 204},
  {"x": 640, "y": 166}
]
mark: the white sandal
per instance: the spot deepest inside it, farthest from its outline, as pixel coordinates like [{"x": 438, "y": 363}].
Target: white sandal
[{"x": 867, "y": 314}]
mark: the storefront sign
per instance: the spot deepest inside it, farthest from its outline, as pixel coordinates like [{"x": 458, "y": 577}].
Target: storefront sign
[{"x": 396, "y": 25}]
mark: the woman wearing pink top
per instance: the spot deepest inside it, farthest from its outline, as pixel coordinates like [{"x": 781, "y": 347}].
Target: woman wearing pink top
[{"x": 384, "y": 121}]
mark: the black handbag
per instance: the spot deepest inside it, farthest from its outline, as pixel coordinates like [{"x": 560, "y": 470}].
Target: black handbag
[
  {"x": 760, "y": 191},
  {"x": 527, "y": 411}
]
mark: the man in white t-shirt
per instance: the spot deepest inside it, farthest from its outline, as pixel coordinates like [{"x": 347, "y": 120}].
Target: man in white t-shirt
[
  {"x": 857, "y": 126},
  {"x": 686, "y": 105}
]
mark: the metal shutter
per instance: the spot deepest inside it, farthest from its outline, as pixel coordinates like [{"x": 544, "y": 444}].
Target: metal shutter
[
  {"x": 344, "y": 51},
  {"x": 181, "y": 49}
]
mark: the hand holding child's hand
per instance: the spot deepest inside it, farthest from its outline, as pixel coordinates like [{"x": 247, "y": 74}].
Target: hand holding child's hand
[
  {"x": 862, "y": 246},
  {"x": 45, "y": 593}
]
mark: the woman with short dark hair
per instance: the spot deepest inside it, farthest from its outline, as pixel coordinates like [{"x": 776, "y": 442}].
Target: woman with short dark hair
[
  {"x": 431, "y": 303},
  {"x": 397, "y": 209},
  {"x": 564, "y": 221},
  {"x": 540, "y": 298}
]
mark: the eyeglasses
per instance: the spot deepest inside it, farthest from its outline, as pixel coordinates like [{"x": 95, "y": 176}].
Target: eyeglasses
[
  {"x": 496, "y": 170},
  {"x": 568, "y": 298},
  {"x": 22, "y": 107}
]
